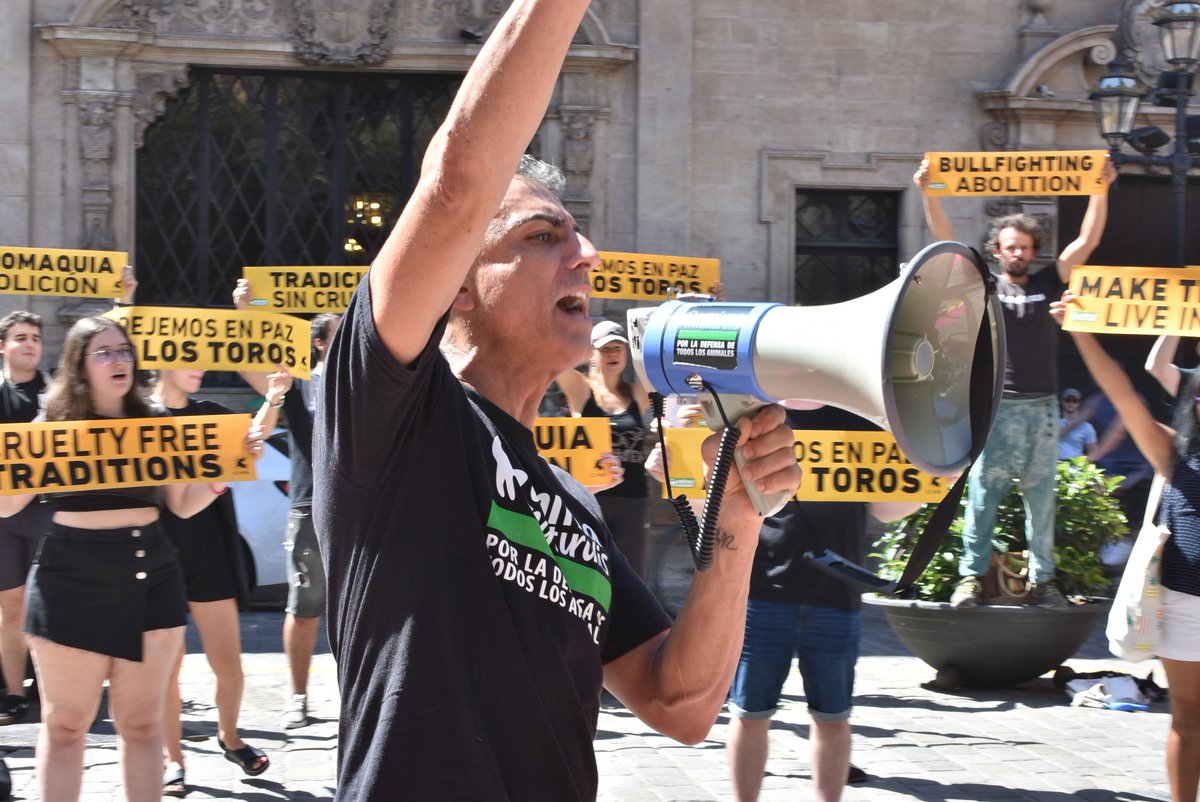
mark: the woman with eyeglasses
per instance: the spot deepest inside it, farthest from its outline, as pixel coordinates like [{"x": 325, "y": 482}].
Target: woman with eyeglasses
[
  {"x": 105, "y": 596},
  {"x": 1174, "y": 452}
]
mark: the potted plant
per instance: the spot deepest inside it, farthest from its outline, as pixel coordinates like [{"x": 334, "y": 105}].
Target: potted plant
[{"x": 1004, "y": 641}]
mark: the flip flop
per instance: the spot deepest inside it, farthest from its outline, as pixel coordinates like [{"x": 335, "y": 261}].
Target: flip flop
[
  {"x": 245, "y": 758},
  {"x": 173, "y": 784}
]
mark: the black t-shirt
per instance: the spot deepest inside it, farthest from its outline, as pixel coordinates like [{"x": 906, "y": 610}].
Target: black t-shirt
[
  {"x": 299, "y": 405},
  {"x": 780, "y": 571},
  {"x": 628, "y": 445},
  {"x": 473, "y": 599},
  {"x": 19, "y": 402},
  {"x": 1031, "y": 335},
  {"x": 218, "y": 519}
]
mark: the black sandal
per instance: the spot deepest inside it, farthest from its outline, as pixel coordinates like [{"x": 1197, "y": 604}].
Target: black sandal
[
  {"x": 246, "y": 757},
  {"x": 173, "y": 784}
]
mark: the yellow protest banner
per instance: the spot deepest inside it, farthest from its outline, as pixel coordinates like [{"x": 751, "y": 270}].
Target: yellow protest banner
[
  {"x": 575, "y": 445},
  {"x": 55, "y": 271},
  {"x": 648, "y": 277},
  {"x": 836, "y": 466},
  {"x": 73, "y": 455},
  {"x": 302, "y": 289},
  {"x": 1135, "y": 300},
  {"x": 173, "y": 338},
  {"x": 1030, "y": 172}
]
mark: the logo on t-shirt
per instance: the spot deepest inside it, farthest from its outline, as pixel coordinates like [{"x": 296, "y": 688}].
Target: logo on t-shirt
[{"x": 536, "y": 543}]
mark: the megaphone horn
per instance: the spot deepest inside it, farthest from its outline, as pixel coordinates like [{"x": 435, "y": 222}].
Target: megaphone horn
[{"x": 901, "y": 357}]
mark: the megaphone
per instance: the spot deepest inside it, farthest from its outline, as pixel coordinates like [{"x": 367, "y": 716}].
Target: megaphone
[{"x": 901, "y": 357}]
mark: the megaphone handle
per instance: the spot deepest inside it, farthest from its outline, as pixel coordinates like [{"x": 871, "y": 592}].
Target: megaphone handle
[{"x": 764, "y": 503}]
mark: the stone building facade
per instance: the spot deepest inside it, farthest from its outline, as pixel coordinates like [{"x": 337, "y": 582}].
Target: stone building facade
[{"x": 685, "y": 126}]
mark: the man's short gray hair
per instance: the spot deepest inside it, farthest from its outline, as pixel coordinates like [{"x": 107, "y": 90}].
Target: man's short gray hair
[{"x": 543, "y": 174}]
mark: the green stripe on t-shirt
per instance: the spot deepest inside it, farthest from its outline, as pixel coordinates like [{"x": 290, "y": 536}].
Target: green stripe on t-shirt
[{"x": 525, "y": 530}]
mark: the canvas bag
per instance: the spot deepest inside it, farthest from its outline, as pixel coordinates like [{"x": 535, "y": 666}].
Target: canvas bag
[{"x": 1135, "y": 620}]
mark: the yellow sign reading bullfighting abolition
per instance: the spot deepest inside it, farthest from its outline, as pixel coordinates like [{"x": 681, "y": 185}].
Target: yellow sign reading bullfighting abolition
[
  {"x": 73, "y": 455},
  {"x": 302, "y": 289},
  {"x": 575, "y": 445},
  {"x": 54, "y": 271},
  {"x": 1033, "y": 172},
  {"x": 173, "y": 338},
  {"x": 835, "y": 466},
  {"x": 649, "y": 277},
  {"x": 1135, "y": 300}
]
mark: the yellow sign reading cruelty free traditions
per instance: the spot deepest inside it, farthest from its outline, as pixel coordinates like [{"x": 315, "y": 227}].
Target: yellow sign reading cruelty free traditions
[
  {"x": 649, "y": 277},
  {"x": 1044, "y": 172},
  {"x": 56, "y": 271},
  {"x": 575, "y": 445},
  {"x": 835, "y": 466},
  {"x": 1135, "y": 300},
  {"x": 173, "y": 338},
  {"x": 302, "y": 289},
  {"x": 72, "y": 455}
]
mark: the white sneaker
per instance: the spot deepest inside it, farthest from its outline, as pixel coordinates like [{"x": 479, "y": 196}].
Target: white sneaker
[{"x": 296, "y": 713}]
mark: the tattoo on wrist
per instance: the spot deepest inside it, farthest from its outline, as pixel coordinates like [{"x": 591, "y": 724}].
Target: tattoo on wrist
[{"x": 725, "y": 540}]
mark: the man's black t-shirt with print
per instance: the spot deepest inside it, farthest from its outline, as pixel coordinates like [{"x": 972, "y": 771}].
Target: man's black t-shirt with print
[
  {"x": 1031, "y": 335},
  {"x": 473, "y": 598},
  {"x": 19, "y": 403}
]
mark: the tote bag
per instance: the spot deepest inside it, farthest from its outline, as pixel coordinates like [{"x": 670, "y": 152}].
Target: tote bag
[{"x": 1135, "y": 620}]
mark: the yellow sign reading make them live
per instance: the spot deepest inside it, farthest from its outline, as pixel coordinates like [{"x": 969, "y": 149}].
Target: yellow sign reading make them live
[
  {"x": 1135, "y": 300},
  {"x": 173, "y": 338},
  {"x": 54, "y": 271},
  {"x": 1032, "y": 172},
  {"x": 649, "y": 277},
  {"x": 302, "y": 289},
  {"x": 71, "y": 455}
]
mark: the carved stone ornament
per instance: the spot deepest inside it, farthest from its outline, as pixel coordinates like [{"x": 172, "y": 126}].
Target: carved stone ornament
[
  {"x": 235, "y": 17},
  {"x": 1137, "y": 39},
  {"x": 154, "y": 89},
  {"x": 96, "y": 152},
  {"x": 343, "y": 33}
]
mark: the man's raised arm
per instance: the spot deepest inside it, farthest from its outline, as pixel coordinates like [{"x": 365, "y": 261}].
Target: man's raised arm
[
  {"x": 467, "y": 169},
  {"x": 1091, "y": 229},
  {"x": 935, "y": 215}
]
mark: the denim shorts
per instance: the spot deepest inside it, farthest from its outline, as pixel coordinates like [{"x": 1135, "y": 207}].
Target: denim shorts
[
  {"x": 824, "y": 641},
  {"x": 306, "y": 573}
]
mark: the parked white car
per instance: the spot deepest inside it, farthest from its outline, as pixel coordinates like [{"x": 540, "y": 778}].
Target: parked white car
[{"x": 262, "y": 508}]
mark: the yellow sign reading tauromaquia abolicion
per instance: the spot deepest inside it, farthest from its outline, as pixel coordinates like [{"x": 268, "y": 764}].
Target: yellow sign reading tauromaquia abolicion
[
  {"x": 1135, "y": 300},
  {"x": 575, "y": 445},
  {"x": 835, "y": 466},
  {"x": 73, "y": 455},
  {"x": 55, "y": 271},
  {"x": 1045, "y": 172},
  {"x": 169, "y": 338},
  {"x": 649, "y": 277},
  {"x": 302, "y": 289}
]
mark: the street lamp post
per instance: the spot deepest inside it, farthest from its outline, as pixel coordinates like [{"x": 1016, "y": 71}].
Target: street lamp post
[{"x": 1117, "y": 96}]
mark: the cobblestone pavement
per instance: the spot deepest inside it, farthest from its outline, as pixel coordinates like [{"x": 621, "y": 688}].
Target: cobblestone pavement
[{"x": 916, "y": 743}]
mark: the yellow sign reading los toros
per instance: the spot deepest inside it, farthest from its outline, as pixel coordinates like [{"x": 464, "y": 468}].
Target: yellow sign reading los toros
[
  {"x": 649, "y": 277},
  {"x": 1046, "y": 172},
  {"x": 71, "y": 455},
  {"x": 1135, "y": 300},
  {"x": 55, "y": 271},
  {"x": 302, "y": 289},
  {"x": 835, "y": 466},
  {"x": 216, "y": 339}
]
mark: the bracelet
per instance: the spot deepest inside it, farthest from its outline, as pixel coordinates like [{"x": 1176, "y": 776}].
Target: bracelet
[
  {"x": 212, "y": 487},
  {"x": 119, "y": 302},
  {"x": 276, "y": 405}
]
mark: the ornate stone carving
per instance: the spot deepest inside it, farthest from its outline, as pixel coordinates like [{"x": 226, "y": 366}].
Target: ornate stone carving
[
  {"x": 96, "y": 152},
  {"x": 154, "y": 89},
  {"x": 578, "y": 155},
  {"x": 193, "y": 16},
  {"x": 995, "y": 135},
  {"x": 1137, "y": 39},
  {"x": 343, "y": 33}
]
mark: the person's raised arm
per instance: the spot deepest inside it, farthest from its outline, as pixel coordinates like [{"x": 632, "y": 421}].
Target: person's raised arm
[
  {"x": 935, "y": 215},
  {"x": 467, "y": 169},
  {"x": 1090, "y": 230},
  {"x": 575, "y": 388},
  {"x": 1152, "y": 438},
  {"x": 1160, "y": 363}
]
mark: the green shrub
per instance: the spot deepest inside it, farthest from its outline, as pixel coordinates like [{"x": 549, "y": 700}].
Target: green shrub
[{"x": 1087, "y": 514}]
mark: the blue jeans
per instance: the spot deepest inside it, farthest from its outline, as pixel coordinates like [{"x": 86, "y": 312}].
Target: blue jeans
[
  {"x": 1023, "y": 445},
  {"x": 825, "y": 643}
]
